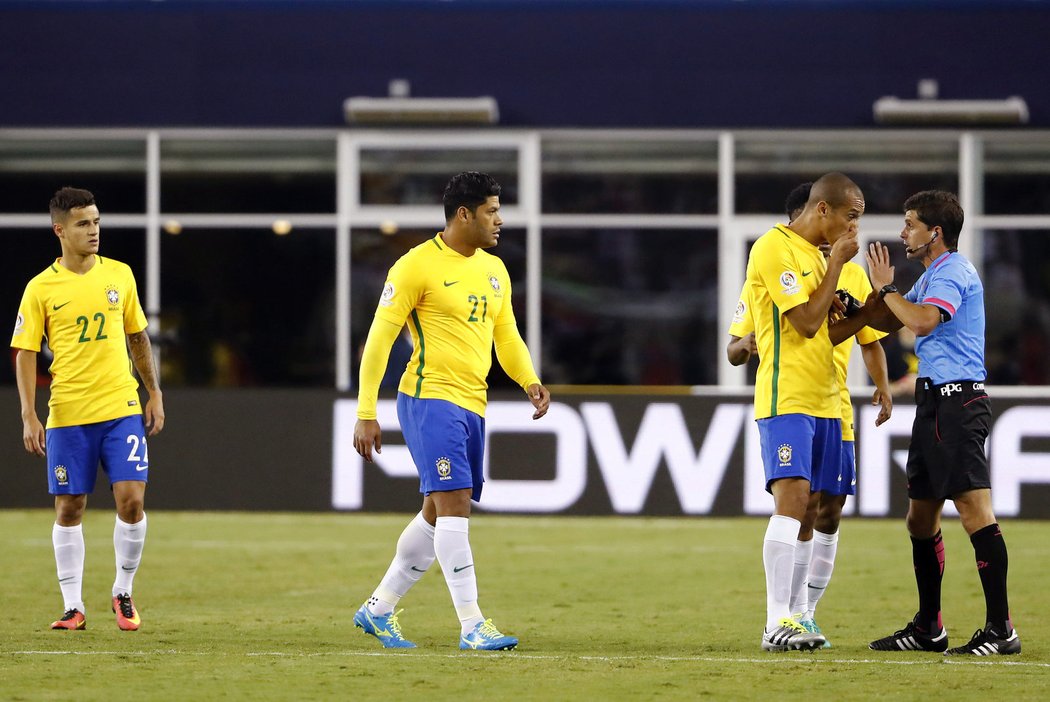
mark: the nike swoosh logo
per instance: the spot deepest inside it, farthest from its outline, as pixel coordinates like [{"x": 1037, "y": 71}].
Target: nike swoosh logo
[
  {"x": 447, "y": 284},
  {"x": 141, "y": 468},
  {"x": 418, "y": 570},
  {"x": 456, "y": 570},
  {"x": 58, "y": 307},
  {"x": 128, "y": 570},
  {"x": 806, "y": 273}
]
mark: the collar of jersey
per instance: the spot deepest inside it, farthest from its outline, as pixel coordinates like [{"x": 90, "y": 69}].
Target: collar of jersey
[
  {"x": 448, "y": 250},
  {"x": 62, "y": 269}
]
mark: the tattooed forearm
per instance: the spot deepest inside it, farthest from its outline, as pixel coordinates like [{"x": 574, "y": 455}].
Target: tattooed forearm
[{"x": 142, "y": 357}]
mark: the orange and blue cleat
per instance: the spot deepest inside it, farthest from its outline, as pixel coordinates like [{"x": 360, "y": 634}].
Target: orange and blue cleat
[
  {"x": 73, "y": 620},
  {"x": 127, "y": 615}
]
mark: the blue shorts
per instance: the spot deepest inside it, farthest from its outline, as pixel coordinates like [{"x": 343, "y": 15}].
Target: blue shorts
[
  {"x": 73, "y": 454},
  {"x": 447, "y": 444},
  {"x": 801, "y": 446},
  {"x": 843, "y": 481}
]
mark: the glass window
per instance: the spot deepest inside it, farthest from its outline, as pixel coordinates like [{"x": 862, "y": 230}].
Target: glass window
[
  {"x": 418, "y": 176},
  {"x": 372, "y": 255},
  {"x": 248, "y": 175},
  {"x": 627, "y": 306},
  {"x": 1017, "y": 176},
  {"x": 598, "y": 176},
  {"x": 32, "y": 170},
  {"x": 888, "y": 170},
  {"x": 1017, "y": 298},
  {"x": 247, "y": 307}
]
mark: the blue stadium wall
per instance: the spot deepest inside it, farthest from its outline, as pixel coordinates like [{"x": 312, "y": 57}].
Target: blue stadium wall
[{"x": 588, "y": 63}]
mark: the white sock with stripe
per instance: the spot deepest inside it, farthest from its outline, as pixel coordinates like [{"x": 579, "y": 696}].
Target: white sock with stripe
[
  {"x": 452, "y": 546},
  {"x": 69, "y": 559},
  {"x": 128, "y": 540},
  {"x": 799, "y": 603},
  {"x": 778, "y": 551},
  {"x": 825, "y": 546},
  {"x": 414, "y": 555}
]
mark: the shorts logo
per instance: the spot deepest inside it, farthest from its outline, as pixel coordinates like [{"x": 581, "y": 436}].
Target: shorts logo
[
  {"x": 61, "y": 475},
  {"x": 789, "y": 283},
  {"x": 112, "y": 296},
  {"x": 949, "y": 388},
  {"x": 387, "y": 298},
  {"x": 784, "y": 454},
  {"x": 494, "y": 282},
  {"x": 20, "y": 322},
  {"x": 444, "y": 468},
  {"x": 741, "y": 311}
]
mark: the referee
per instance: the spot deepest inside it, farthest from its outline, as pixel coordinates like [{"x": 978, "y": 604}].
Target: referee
[{"x": 946, "y": 458}]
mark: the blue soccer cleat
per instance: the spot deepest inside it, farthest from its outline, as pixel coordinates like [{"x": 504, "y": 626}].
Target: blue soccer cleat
[
  {"x": 386, "y": 628},
  {"x": 812, "y": 627},
  {"x": 486, "y": 637}
]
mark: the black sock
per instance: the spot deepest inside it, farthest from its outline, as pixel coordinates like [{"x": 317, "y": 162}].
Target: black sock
[
  {"x": 927, "y": 555},
  {"x": 990, "y": 550}
]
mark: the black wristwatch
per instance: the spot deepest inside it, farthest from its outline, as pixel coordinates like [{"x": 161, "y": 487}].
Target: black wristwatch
[{"x": 886, "y": 290}]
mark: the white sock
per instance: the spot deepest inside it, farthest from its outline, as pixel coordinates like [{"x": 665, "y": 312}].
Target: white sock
[
  {"x": 128, "y": 540},
  {"x": 69, "y": 558},
  {"x": 799, "y": 603},
  {"x": 452, "y": 547},
  {"x": 778, "y": 552},
  {"x": 414, "y": 555},
  {"x": 825, "y": 546}
]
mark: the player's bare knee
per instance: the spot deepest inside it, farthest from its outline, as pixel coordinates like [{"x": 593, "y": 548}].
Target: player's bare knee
[{"x": 69, "y": 509}]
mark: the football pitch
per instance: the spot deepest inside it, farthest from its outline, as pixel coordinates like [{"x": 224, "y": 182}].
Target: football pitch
[{"x": 259, "y": 606}]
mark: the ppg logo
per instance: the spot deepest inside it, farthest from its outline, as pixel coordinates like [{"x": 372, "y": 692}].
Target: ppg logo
[{"x": 949, "y": 388}]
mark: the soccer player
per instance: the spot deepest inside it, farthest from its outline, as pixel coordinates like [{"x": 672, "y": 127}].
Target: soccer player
[
  {"x": 457, "y": 300},
  {"x": 791, "y": 288},
  {"x": 816, "y": 547},
  {"x": 946, "y": 458},
  {"x": 88, "y": 308}
]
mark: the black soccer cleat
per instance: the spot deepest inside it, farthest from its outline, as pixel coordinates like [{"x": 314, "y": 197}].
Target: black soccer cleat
[
  {"x": 988, "y": 642},
  {"x": 912, "y": 638}
]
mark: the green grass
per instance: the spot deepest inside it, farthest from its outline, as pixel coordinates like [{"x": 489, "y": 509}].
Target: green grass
[{"x": 259, "y": 606}]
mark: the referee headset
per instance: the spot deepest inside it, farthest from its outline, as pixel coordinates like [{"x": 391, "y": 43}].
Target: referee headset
[{"x": 917, "y": 249}]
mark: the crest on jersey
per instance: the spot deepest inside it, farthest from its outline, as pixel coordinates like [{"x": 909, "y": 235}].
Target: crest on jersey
[
  {"x": 61, "y": 475},
  {"x": 387, "y": 298},
  {"x": 113, "y": 296},
  {"x": 20, "y": 323},
  {"x": 444, "y": 468},
  {"x": 494, "y": 282},
  {"x": 784, "y": 454},
  {"x": 789, "y": 282},
  {"x": 741, "y": 312}
]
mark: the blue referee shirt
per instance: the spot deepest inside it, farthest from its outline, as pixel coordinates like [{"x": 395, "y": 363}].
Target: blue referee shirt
[{"x": 955, "y": 349}]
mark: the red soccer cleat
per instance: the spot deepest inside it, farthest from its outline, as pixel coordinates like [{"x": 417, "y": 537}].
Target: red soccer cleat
[
  {"x": 127, "y": 615},
  {"x": 73, "y": 620}
]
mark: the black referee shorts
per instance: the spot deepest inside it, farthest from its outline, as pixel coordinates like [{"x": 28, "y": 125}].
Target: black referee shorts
[{"x": 946, "y": 455}]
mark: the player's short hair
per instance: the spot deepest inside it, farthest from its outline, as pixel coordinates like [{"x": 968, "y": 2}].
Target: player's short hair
[
  {"x": 796, "y": 200},
  {"x": 836, "y": 189},
  {"x": 469, "y": 189},
  {"x": 66, "y": 199},
  {"x": 938, "y": 208}
]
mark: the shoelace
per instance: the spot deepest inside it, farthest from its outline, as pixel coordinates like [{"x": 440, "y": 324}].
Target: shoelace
[
  {"x": 126, "y": 609},
  {"x": 489, "y": 630},
  {"x": 70, "y": 614},
  {"x": 978, "y": 637},
  {"x": 394, "y": 624}
]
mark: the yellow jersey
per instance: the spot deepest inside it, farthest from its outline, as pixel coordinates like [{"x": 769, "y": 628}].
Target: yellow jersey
[
  {"x": 796, "y": 375},
  {"x": 853, "y": 279},
  {"x": 453, "y": 305},
  {"x": 85, "y": 319}
]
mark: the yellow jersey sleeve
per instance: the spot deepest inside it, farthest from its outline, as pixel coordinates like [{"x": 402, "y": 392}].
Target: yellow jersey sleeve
[
  {"x": 29, "y": 324},
  {"x": 743, "y": 323},
  {"x": 374, "y": 358},
  {"x": 511, "y": 351},
  {"x": 778, "y": 269}
]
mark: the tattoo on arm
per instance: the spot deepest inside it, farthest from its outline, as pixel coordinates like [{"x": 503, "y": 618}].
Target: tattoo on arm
[{"x": 142, "y": 357}]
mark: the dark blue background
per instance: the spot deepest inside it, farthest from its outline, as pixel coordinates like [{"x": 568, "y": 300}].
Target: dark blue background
[{"x": 705, "y": 63}]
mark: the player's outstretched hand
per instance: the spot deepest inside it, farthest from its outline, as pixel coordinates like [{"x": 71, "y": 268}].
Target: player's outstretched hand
[
  {"x": 879, "y": 269},
  {"x": 33, "y": 435},
  {"x": 155, "y": 413},
  {"x": 540, "y": 398},
  {"x": 886, "y": 400},
  {"x": 366, "y": 435}
]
